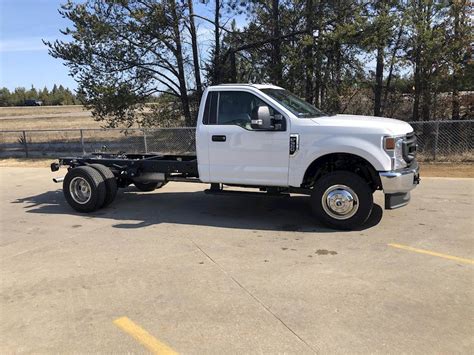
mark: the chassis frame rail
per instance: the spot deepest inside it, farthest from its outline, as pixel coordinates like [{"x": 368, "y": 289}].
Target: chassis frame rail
[{"x": 133, "y": 165}]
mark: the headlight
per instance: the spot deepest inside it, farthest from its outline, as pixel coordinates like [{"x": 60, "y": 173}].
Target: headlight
[{"x": 394, "y": 148}]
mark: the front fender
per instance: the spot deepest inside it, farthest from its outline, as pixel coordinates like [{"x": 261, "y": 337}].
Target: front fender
[{"x": 368, "y": 149}]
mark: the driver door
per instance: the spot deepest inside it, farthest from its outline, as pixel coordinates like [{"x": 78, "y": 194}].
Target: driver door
[{"x": 239, "y": 154}]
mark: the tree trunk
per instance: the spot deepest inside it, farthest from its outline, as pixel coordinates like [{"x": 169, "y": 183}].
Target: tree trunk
[
  {"x": 180, "y": 64},
  {"x": 338, "y": 77},
  {"x": 426, "y": 98},
  {"x": 418, "y": 89},
  {"x": 327, "y": 86},
  {"x": 318, "y": 77},
  {"x": 233, "y": 67},
  {"x": 379, "y": 81},
  {"x": 390, "y": 71},
  {"x": 192, "y": 31},
  {"x": 217, "y": 49},
  {"x": 276, "y": 66},
  {"x": 318, "y": 94},
  {"x": 418, "y": 17},
  {"x": 456, "y": 106},
  {"x": 456, "y": 110},
  {"x": 308, "y": 53}
]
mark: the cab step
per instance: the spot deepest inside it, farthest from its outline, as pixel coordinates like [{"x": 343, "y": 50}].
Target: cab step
[{"x": 214, "y": 190}]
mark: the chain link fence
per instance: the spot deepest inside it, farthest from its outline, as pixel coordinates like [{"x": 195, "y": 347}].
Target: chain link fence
[
  {"x": 54, "y": 143},
  {"x": 445, "y": 140},
  {"x": 437, "y": 141}
]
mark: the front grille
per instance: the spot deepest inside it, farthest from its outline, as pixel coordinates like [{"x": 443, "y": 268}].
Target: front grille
[{"x": 409, "y": 147}]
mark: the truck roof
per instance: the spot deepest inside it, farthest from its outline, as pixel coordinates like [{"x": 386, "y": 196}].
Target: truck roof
[{"x": 257, "y": 86}]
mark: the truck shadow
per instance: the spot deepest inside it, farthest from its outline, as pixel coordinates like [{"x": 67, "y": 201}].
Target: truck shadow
[{"x": 133, "y": 209}]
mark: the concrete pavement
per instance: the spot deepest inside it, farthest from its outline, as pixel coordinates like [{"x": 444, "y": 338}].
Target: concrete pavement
[{"x": 215, "y": 274}]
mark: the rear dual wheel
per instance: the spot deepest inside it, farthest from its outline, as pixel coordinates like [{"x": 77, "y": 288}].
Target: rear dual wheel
[
  {"x": 88, "y": 188},
  {"x": 111, "y": 187}
]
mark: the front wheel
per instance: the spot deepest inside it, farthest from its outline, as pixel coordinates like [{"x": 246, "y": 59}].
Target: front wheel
[{"x": 342, "y": 200}]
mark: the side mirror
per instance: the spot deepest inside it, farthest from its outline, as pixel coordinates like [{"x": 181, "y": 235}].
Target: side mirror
[{"x": 261, "y": 118}]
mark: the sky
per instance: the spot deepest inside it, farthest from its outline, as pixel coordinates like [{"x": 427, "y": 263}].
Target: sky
[{"x": 24, "y": 59}]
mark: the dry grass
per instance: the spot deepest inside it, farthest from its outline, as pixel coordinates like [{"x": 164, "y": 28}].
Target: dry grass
[
  {"x": 63, "y": 122},
  {"x": 38, "y": 110},
  {"x": 460, "y": 157},
  {"x": 46, "y": 117},
  {"x": 465, "y": 170},
  {"x": 455, "y": 170}
]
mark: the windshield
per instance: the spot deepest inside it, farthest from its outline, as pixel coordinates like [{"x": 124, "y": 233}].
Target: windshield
[{"x": 299, "y": 107}]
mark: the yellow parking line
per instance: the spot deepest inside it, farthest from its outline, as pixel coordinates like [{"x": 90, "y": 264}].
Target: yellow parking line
[
  {"x": 140, "y": 334},
  {"x": 422, "y": 251}
]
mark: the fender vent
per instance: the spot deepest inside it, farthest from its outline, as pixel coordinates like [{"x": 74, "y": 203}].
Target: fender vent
[{"x": 294, "y": 143}]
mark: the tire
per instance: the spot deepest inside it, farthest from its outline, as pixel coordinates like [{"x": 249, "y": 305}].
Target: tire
[
  {"x": 110, "y": 183},
  {"x": 84, "y": 189},
  {"x": 149, "y": 186},
  {"x": 331, "y": 200}
]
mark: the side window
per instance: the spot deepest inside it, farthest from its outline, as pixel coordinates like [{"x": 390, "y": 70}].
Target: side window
[
  {"x": 235, "y": 108},
  {"x": 207, "y": 108},
  {"x": 210, "y": 114}
]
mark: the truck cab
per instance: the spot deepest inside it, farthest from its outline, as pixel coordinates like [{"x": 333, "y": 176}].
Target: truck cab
[{"x": 265, "y": 137}]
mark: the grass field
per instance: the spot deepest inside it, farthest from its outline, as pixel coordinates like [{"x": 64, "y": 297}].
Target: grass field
[
  {"x": 46, "y": 117},
  {"x": 39, "y": 110}
]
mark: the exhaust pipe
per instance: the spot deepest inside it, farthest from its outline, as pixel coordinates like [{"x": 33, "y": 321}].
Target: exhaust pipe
[{"x": 58, "y": 180}]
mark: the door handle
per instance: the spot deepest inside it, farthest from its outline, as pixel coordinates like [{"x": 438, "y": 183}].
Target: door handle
[{"x": 219, "y": 138}]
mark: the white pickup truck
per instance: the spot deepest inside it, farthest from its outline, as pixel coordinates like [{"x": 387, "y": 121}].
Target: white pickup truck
[{"x": 264, "y": 137}]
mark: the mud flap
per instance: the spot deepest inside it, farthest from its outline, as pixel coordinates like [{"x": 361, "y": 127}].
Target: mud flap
[{"x": 397, "y": 200}]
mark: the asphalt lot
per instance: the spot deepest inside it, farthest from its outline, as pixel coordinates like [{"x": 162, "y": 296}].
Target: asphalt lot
[{"x": 215, "y": 274}]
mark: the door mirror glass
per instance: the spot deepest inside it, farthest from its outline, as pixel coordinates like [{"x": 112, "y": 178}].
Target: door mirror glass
[{"x": 262, "y": 118}]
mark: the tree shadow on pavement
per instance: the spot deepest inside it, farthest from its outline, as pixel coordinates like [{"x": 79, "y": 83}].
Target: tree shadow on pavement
[{"x": 133, "y": 209}]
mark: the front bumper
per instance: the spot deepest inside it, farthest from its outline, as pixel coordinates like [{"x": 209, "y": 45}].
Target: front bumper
[{"x": 397, "y": 185}]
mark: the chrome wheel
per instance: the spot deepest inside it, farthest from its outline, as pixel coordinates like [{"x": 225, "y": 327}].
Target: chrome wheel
[
  {"x": 340, "y": 202},
  {"x": 80, "y": 189}
]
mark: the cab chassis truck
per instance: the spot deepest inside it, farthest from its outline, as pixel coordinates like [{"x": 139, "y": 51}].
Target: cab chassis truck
[{"x": 262, "y": 136}]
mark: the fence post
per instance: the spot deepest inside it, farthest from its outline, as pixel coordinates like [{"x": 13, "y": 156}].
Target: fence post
[
  {"x": 82, "y": 143},
  {"x": 436, "y": 141},
  {"x": 145, "y": 142},
  {"x": 25, "y": 143}
]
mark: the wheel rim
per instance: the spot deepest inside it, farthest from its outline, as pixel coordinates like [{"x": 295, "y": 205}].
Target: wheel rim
[
  {"x": 340, "y": 202},
  {"x": 80, "y": 189}
]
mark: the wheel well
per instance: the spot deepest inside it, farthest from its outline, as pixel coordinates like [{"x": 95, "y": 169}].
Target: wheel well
[{"x": 341, "y": 162}]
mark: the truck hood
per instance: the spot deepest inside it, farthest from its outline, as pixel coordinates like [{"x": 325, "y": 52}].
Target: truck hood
[{"x": 386, "y": 125}]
